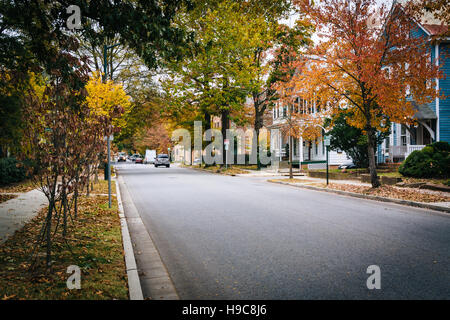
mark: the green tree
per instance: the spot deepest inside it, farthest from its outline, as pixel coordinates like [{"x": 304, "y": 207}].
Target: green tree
[{"x": 350, "y": 139}]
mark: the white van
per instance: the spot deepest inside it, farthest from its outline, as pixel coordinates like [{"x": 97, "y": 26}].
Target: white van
[{"x": 150, "y": 156}]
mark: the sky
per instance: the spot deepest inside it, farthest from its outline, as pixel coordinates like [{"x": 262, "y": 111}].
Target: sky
[{"x": 290, "y": 22}]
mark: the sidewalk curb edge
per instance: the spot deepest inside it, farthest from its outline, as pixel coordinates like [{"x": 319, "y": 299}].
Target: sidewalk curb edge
[{"x": 134, "y": 284}]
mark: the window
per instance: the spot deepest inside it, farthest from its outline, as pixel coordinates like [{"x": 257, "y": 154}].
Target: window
[
  {"x": 284, "y": 111},
  {"x": 301, "y": 104},
  {"x": 403, "y": 139}
]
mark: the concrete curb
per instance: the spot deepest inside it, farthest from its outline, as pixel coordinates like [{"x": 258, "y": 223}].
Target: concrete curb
[
  {"x": 134, "y": 284},
  {"x": 369, "y": 197},
  {"x": 154, "y": 277}
]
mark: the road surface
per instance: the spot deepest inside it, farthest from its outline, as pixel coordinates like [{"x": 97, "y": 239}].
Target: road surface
[{"x": 224, "y": 237}]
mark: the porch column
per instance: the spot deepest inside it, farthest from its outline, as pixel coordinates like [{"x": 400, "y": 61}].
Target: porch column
[
  {"x": 300, "y": 149},
  {"x": 281, "y": 141}
]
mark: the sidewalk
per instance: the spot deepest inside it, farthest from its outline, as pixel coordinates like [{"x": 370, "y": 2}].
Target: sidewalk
[{"x": 16, "y": 212}]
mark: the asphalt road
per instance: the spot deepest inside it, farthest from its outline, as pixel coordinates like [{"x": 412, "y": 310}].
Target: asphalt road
[{"x": 224, "y": 237}]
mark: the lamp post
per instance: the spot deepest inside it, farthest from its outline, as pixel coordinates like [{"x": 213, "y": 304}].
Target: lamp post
[
  {"x": 327, "y": 146},
  {"x": 108, "y": 138}
]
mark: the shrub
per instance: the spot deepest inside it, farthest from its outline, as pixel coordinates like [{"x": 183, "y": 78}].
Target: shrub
[
  {"x": 11, "y": 171},
  {"x": 433, "y": 161}
]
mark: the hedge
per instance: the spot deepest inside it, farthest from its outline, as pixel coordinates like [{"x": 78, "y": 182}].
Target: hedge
[
  {"x": 433, "y": 161},
  {"x": 11, "y": 171}
]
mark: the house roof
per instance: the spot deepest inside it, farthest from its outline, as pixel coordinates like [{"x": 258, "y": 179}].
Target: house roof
[
  {"x": 423, "y": 112},
  {"x": 429, "y": 21},
  {"x": 435, "y": 29}
]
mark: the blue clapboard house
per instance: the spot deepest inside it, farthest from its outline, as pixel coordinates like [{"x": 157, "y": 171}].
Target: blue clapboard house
[{"x": 433, "y": 119}]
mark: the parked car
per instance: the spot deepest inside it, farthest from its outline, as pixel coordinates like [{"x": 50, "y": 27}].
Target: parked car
[
  {"x": 134, "y": 156},
  {"x": 138, "y": 159},
  {"x": 162, "y": 160},
  {"x": 122, "y": 157},
  {"x": 348, "y": 165}
]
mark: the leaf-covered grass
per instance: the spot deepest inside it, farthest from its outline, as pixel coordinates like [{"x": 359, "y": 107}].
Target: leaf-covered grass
[
  {"x": 94, "y": 243},
  {"x": 246, "y": 166},
  {"x": 392, "y": 192},
  {"x": 293, "y": 180},
  {"x": 23, "y": 186},
  {"x": 397, "y": 174},
  {"x": 6, "y": 197},
  {"x": 231, "y": 170},
  {"x": 382, "y": 191},
  {"x": 102, "y": 187}
]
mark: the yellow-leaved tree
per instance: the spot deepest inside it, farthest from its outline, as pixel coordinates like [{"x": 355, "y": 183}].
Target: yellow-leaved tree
[{"x": 108, "y": 99}]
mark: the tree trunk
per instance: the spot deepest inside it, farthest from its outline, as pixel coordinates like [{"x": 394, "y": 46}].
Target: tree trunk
[
  {"x": 88, "y": 182},
  {"x": 258, "y": 125},
  {"x": 49, "y": 232},
  {"x": 96, "y": 173},
  {"x": 64, "y": 204},
  {"x": 372, "y": 165},
  {"x": 225, "y": 125},
  {"x": 75, "y": 195},
  {"x": 291, "y": 176},
  {"x": 207, "y": 117},
  {"x": 258, "y": 151}
]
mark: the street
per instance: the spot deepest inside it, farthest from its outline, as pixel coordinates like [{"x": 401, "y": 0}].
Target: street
[{"x": 225, "y": 237}]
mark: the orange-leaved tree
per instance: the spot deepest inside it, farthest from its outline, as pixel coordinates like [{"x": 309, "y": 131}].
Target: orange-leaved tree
[
  {"x": 303, "y": 117},
  {"x": 371, "y": 60}
]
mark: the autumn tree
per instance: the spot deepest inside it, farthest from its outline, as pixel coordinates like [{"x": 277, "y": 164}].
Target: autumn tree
[
  {"x": 304, "y": 114},
  {"x": 213, "y": 77},
  {"x": 103, "y": 99},
  {"x": 271, "y": 40},
  {"x": 440, "y": 9},
  {"x": 370, "y": 62}
]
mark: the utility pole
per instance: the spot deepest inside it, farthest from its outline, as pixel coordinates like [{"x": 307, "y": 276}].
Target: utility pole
[{"x": 108, "y": 136}]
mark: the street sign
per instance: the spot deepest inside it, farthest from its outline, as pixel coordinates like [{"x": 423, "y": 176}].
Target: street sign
[
  {"x": 226, "y": 143},
  {"x": 327, "y": 141},
  {"x": 111, "y": 138}
]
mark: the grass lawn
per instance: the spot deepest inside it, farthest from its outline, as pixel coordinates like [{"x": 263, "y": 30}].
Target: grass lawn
[
  {"x": 229, "y": 171},
  {"x": 94, "y": 243},
  {"x": 397, "y": 174},
  {"x": 347, "y": 172},
  {"x": 102, "y": 187},
  {"x": 246, "y": 166}
]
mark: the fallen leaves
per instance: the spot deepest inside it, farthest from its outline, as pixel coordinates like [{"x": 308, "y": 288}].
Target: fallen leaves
[
  {"x": 6, "y": 197},
  {"x": 20, "y": 187},
  {"x": 94, "y": 244},
  {"x": 391, "y": 192}
]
